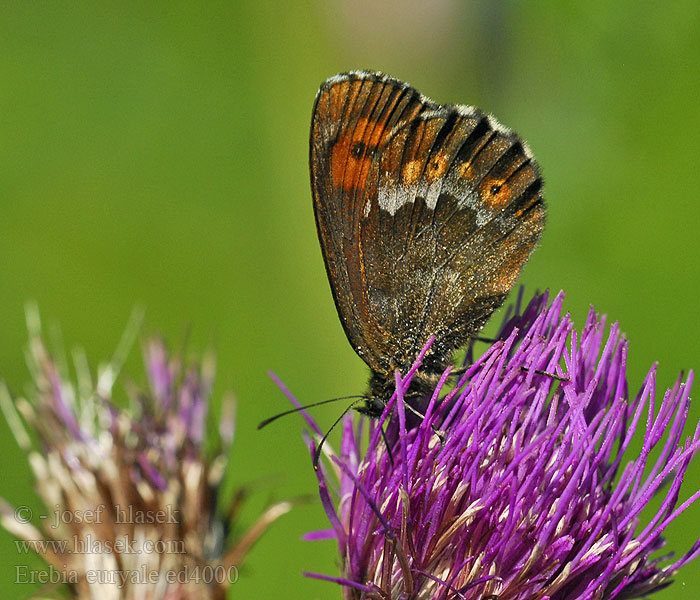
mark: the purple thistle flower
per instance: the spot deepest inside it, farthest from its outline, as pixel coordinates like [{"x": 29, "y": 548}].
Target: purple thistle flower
[
  {"x": 158, "y": 524},
  {"x": 516, "y": 485}
]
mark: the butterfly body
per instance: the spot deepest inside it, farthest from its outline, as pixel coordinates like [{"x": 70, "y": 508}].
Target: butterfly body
[{"x": 425, "y": 213}]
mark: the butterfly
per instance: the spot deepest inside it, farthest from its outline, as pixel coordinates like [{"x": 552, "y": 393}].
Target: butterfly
[{"x": 426, "y": 213}]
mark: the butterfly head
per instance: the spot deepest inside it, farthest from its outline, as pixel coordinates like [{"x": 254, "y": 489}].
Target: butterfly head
[{"x": 382, "y": 387}]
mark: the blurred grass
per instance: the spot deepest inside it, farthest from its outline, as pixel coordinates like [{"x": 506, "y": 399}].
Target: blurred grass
[{"x": 157, "y": 154}]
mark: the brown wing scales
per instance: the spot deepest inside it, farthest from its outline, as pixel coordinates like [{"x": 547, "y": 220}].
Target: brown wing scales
[{"x": 426, "y": 214}]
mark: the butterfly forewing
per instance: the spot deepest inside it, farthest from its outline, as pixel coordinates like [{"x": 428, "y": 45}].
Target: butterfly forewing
[{"x": 425, "y": 214}]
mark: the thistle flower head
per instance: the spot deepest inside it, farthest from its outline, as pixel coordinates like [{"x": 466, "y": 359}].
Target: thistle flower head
[
  {"x": 133, "y": 496},
  {"x": 516, "y": 485}
]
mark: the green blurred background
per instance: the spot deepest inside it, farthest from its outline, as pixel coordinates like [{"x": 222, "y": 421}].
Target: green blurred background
[{"x": 156, "y": 154}]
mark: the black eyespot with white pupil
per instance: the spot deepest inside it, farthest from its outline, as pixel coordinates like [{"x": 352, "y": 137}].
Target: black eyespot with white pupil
[{"x": 358, "y": 150}]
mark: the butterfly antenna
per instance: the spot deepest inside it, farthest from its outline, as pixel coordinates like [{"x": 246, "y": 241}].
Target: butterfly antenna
[
  {"x": 547, "y": 373},
  {"x": 317, "y": 453},
  {"x": 386, "y": 444},
  {"x": 297, "y": 409}
]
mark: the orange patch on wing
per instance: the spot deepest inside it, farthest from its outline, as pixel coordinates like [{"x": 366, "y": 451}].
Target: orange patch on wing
[
  {"x": 436, "y": 167},
  {"x": 496, "y": 194},
  {"x": 465, "y": 170},
  {"x": 412, "y": 171},
  {"x": 352, "y": 154}
]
